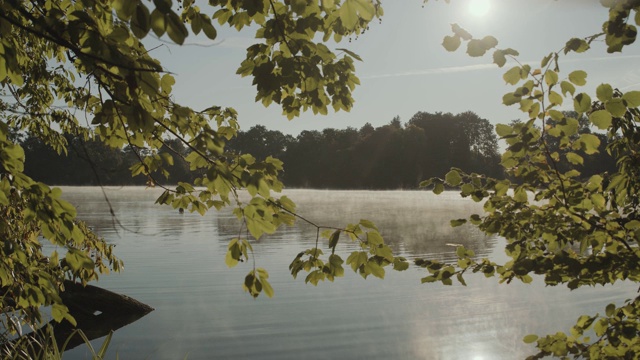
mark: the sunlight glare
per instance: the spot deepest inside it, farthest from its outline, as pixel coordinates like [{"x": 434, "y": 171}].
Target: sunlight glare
[{"x": 479, "y": 8}]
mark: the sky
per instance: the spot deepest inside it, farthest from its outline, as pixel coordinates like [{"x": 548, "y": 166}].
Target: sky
[{"x": 405, "y": 69}]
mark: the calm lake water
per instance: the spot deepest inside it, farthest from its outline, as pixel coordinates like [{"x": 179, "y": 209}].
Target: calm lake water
[{"x": 175, "y": 263}]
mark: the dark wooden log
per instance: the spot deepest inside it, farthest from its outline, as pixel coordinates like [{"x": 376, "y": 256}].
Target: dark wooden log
[{"x": 97, "y": 312}]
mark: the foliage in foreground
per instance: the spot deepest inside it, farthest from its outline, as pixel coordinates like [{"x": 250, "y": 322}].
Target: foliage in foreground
[
  {"x": 78, "y": 68},
  {"x": 572, "y": 231},
  {"x": 65, "y": 58},
  {"x": 391, "y": 156},
  {"x": 42, "y": 345}
]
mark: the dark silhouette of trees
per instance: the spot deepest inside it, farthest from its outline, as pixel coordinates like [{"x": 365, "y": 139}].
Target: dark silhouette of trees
[
  {"x": 91, "y": 162},
  {"x": 464, "y": 141},
  {"x": 392, "y": 156},
  {"x": 261, "y": 142}
]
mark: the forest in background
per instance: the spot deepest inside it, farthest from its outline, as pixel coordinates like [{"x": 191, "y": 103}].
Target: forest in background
[{"x": 392, "y": 156}]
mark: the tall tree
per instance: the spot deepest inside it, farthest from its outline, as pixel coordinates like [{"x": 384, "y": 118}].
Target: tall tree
[{"x": 464, "y": 141}]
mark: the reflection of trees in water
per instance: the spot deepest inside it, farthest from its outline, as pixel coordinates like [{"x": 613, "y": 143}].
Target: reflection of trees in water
[
  {"x": 133, "y": 208},
  {"x": 414, "y": 223}
]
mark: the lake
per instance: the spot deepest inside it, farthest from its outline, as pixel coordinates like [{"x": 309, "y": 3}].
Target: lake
[{"x": 175, "y": 263}]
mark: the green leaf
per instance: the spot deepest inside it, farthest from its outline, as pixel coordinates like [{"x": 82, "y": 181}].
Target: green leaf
[
  {"x": 208, "y": 28},
  {"x": 601, "y": 118},
  {"x": 453, "y": 178},
  {"x": 157, "y": 22},
  {"x": 462, "y": 33},
  {"x": 163, "y": 6},
  {"x": 230, "y": 260},
  {"x": 374, "y": 238},
  {"x": 350, "y": 53},
  {"x": 578, "y": 77},
  {"x": 458, "y": 222},
  {"x": 352, "y": 10},
  {"x": 598, "y": 200},
  {"x": 520, "y": 195},
  {"x": 503, "y": 130},
  {"x": 632, "y": 225},
  {"x": 267, "y": 288},
  {"x": 371, "y": 267},
  {"x": 610, "y": 309},
  {"x": 616, "y": 107},
  {"x": 451, "y": 43},
  {"x": 438, "y": 188},
  {"x": 589, "y": 143},
  {"x": 550, "y": 77},
  {"x": 604, "y": 92},
  {"x": 461, "y": 279},
  {"x": 530, "y": 338},
  {"x": 368, "y": 224},
  {"x": 499, "y": 58},
  {"x": 582, "y": 103},
  {"x": 176, "y": 29},
  {"x": 400, "y": 264},
  {"x": 124, "y": 9},
  {"x": 577, "y": 45},
  {"x": 574, "y": 158},
  {"x": 555, "y": 98},
  {"x": 567, "y": 88},
  {"x": 78, "y": 260},
  {"x": 510, "y": 99},
  {"x": 60, "y": 312},
  {"x": 512, "y": 76},
  {"x": 632, "y": 98},
  {"x": 333, "y": 240},
  {"x": 489, "y": 42},
  {"x": 600, "y": 327},
  {"x": 476, "y": 48},
  {"x": 140, "y": 24}
]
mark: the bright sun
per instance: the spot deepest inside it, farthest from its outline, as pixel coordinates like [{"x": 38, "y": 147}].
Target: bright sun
[{"x": 479, "y": 8}]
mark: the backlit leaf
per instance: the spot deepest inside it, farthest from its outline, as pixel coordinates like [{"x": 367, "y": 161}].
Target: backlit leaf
[
  {"x": 567, "y": 88},
  {"x": 503, "y": 130},
  {"x": 582, "y": 103},
  {"x": 604, "y": 92},
  {"x": 451, "y": 43},
  {"x": 632, "y": 98},
  {"x": 512, "y": 76},
  {"x": 453, "y": 178},
  {"x": 530, "y": 338},
  {"x": 601, "y": 118},
  {"x": 574, "y": 158},
  {"x": 550, "y": 77},
  {"x": 578, "y": 77},
  {"x": 616, "y": 107}
]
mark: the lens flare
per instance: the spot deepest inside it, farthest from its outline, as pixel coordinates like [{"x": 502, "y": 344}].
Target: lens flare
[{"x": 479, "y": 8}]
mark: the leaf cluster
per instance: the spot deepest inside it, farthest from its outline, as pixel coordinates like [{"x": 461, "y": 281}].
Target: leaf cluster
[
  {"x": 571, "y": 229},
  {"x": 79, "y": 69},
  {"x": 371, "y": 259}
]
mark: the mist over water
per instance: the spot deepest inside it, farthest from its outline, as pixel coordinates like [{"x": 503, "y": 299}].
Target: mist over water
[{"x": 175, "y": 263}]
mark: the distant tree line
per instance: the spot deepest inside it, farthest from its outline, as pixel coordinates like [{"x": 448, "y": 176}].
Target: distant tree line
[
  {"x": 91, "y": 162},
  {"x": 387, "y": 157},
  {"x": 392, "y": 156}
]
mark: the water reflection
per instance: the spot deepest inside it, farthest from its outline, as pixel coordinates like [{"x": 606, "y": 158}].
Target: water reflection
[
  {"x": 175, "y": 263},
  {"x": 413, "y": 222}
]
